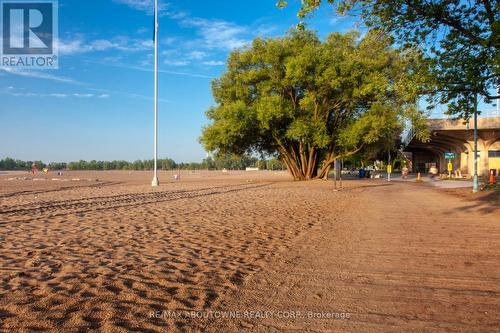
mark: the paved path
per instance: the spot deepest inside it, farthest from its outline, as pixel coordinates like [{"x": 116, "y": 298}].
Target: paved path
[
  {"x": 401, "y": 258},
  {"x": 427, "y": 180}
]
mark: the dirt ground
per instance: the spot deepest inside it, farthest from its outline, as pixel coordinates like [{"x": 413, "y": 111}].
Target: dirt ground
[{"x": 102, "y": 251}]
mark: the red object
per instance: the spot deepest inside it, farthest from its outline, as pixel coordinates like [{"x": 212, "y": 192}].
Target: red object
[{"x": 492, "y": 178}]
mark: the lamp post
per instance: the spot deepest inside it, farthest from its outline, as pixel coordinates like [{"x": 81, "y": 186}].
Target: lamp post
[
  {"x": 475, "y": 184},
  {"x": 155, "y": 181}
]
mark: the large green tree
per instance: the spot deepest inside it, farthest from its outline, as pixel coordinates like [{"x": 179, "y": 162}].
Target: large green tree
[
  {"x": 460, "y": 38},
  {"x": 311, "y": 101}
]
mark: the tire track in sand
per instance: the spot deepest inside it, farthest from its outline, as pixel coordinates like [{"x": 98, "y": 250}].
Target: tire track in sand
[
  {"x": 65, "y": 188},
  {"x": 29, "y": 212}
]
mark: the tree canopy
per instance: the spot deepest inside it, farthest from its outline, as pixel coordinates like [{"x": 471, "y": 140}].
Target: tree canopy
[
  {"x": 311, "y": 102},
  {"x": 461, "y": 40}
]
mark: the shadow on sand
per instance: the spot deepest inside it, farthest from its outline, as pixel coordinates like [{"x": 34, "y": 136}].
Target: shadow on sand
[{"x": 486, "y": 203}]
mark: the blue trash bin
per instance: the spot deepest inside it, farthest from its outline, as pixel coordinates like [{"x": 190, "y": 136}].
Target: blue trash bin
[{"x": 362, "y": 173}]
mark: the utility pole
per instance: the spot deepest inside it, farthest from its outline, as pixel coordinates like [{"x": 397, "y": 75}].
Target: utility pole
[
  {"x": 475, "y": 184},
  {"x": 155, "y": 181}
]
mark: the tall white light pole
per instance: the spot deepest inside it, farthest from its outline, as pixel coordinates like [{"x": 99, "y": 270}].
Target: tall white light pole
[
  {"x": 155, "y": 181},
  {"x": 475, "y": 182}
]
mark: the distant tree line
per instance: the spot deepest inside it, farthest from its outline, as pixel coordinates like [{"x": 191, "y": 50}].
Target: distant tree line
[
  {"x": 241, "y": 162},
  {"x": 219, "y": 162},
  {"x": 12, "y": 164}
]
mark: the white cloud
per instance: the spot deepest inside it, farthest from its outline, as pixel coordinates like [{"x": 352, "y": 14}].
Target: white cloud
[
  {"x": 38, "y": 75},
  {"x": 79, "y": 45},
  {"x": 58, "y": 95},
  {"x": 22, "y": 93},
  {"x": 83, "y": 95},
  {"x": 211, "y": 37},
  {"x": 197, "y": 55},
  {"x": 176, "y": 62},
  {"x": 105, "y": 93},
  {"x": 213, "y": 63},
  {"x": 147, "y": 6},
  {"x": 149, "y": 69},
  {"x": 218, "y": 34},
  {"x": 179, "y": 58},
  {"x": 143, "y": 5}
]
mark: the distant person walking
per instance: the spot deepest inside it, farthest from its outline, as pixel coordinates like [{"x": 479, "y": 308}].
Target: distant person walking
[
  {"x": 33, "y": 168},
  {"x": 405, "y": 171},
  {"x": 433, "y": 171}
]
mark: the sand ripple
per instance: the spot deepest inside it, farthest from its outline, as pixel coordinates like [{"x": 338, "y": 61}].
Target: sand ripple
[{"x": 105, "y": 258}]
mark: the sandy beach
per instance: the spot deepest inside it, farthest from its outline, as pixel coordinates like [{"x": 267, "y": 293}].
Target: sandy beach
[
  {"x": 104, "y": 254},
  {"x": 102, "y": 251}
]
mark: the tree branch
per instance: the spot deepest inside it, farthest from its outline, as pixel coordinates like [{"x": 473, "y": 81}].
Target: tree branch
[
  {"x": 489, "y": 13},
  {"x": 444, "y": 19}
]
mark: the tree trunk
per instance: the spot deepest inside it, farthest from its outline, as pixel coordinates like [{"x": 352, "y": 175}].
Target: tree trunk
[
  {"x": 323, "y": 173},
  {"x": 301, "y": 161},
  {"x": 327, "y": 164},
  {"x": 291, "y": 164}
]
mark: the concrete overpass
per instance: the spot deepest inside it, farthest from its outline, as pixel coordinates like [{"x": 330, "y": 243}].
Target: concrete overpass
[{"x": 457, "y": 137}]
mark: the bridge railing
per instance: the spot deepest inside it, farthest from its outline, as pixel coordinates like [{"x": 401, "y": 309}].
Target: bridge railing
[{"x": 408, "y": 135}]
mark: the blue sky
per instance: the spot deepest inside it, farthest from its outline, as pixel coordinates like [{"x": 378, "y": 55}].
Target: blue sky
[{"x": 98, "y": 104}]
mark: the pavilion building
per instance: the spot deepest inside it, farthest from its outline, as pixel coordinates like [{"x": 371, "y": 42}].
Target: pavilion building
[{"x": 453, "y": 140}]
